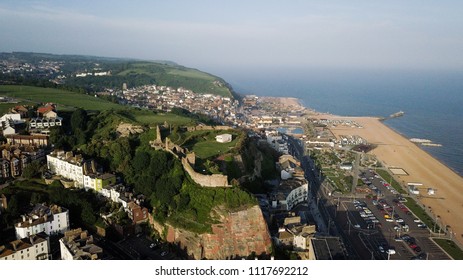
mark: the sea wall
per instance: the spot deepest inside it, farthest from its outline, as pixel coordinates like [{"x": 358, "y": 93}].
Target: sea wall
[{"x": 214, "y": 180}]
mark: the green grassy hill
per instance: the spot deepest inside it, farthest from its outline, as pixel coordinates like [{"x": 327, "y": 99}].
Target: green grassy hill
[
  {"x": 66, "y": 100},
  {"x": 69, "y": 101},
  {"x": 178, "y": 76},
  {"x": 130, "y": 71}
]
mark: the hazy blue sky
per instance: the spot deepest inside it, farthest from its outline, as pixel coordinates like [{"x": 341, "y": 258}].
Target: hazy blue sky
[{"x": 237, "y": 34}]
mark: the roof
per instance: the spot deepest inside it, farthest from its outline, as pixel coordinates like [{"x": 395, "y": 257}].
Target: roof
[
  {"x": 45, "y": 109},
  {"x": 80, "y": 244},
  {"x": 35, "y": 136},
  {"x": 21, "y": 244},
  {"x": 40, "y": 214}
]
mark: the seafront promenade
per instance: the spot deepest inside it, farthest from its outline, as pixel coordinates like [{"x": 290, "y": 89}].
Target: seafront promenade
[{"x": 395, "y": 151}]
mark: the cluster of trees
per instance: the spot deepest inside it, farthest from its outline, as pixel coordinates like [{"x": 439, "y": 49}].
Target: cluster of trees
[{"x": 22, "y": 195}]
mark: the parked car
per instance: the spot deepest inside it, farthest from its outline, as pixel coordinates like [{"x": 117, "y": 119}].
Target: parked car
[{"x": 421, "y": 225}]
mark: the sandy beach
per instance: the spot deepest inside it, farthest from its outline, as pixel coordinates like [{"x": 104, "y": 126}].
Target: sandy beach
[{"x": 394, "y": 150}]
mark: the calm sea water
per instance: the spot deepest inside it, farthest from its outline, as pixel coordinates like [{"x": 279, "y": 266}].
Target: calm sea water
[{"x": 432, "y": 100}]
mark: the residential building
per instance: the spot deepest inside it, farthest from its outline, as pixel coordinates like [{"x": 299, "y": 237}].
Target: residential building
[
  {"x": 97, "y": 181},
  {"x": 70, "y": 167},
  {"x": 51, "y": 220},
  {"x": 79, "y": 245},
  {"x": 290, "y": 193},
  {"x": 44, "y": 110},
  {"x": 13, "y": 117},
  {"x": 15, "y": 167},
  {"x": 43, "y": 123},
  {"x": 34, "y": 247},
  {"x": 4, "y": 168},
  {"x": 113, "y": 192},
  {"x": 137, "y": 213}
]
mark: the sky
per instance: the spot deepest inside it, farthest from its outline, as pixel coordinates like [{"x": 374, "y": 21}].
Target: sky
[{"x": 214, "y": 34}]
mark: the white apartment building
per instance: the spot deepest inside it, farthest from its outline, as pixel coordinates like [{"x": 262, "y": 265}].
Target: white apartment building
[
  {"x": 34, "y": 247},
  {"x": 51, "y": 220},
  {"x": 290, "y": 193},
  {"x": 297, "y": 195},
  {"x": 69, "y": 166}
]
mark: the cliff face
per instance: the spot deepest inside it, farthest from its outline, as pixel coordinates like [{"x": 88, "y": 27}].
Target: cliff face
[{"x": 239, "y": 234}]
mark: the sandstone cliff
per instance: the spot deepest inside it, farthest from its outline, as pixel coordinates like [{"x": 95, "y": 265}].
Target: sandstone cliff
[{"x": 239, "y": 234}]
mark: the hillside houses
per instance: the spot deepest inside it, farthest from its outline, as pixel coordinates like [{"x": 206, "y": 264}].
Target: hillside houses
[{"x": 221, "y": 109}]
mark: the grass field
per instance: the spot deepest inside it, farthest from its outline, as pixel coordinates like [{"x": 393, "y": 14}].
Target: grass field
[
  {"x": 205, "y": 146},
  {"x": 451, "y": 248},
  {"x": 150, "y": 118},
  {"x": 65, "y": 100},
  {"x": 69, "y": 101}
]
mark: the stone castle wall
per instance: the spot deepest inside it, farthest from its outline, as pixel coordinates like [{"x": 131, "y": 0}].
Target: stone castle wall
[
  {"x": 208, "y": 127},
  {"x": 214, "y": 180}
]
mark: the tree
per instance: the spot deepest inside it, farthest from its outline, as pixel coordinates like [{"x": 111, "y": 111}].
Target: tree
[
  {"x": 32, "y": 169},
  {"x": 79, "y": 120}
]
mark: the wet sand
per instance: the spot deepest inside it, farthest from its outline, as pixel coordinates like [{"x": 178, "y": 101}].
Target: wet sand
[{"x": 394, "y": 150}]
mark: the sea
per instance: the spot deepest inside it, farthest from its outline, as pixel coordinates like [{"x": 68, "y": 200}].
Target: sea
[{"x": 432, "y": 100}]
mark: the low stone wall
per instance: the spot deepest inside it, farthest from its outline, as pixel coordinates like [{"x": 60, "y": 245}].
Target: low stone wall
[
  {"x": 214, "y": 180},
  {"x": 208, "y": 127}
]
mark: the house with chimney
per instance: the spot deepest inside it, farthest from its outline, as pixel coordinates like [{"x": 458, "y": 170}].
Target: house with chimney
[
  {"x": 70, "y": 166},
  {"x": 51, "y": 219},
  {"x": 34, "y": 247},
  {"x": 78, "y": 244}
]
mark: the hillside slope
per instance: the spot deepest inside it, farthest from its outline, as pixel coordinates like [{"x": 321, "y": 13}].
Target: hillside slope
[{"x": 121, "y": 70}]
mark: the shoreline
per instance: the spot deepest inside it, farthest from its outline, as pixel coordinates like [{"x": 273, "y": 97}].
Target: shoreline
[{"x": 394, "y": 149}]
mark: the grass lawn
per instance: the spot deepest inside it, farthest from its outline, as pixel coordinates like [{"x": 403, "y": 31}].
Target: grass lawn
[
  {"x": 203, "y": 142},
  {"x": 210, "y": 148},
  {"x": 66, "y": 100},
  {"x": 389, "y": 179},
  {"x": 451, "y": 248},
  {"x": 150, "y": 118}
]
